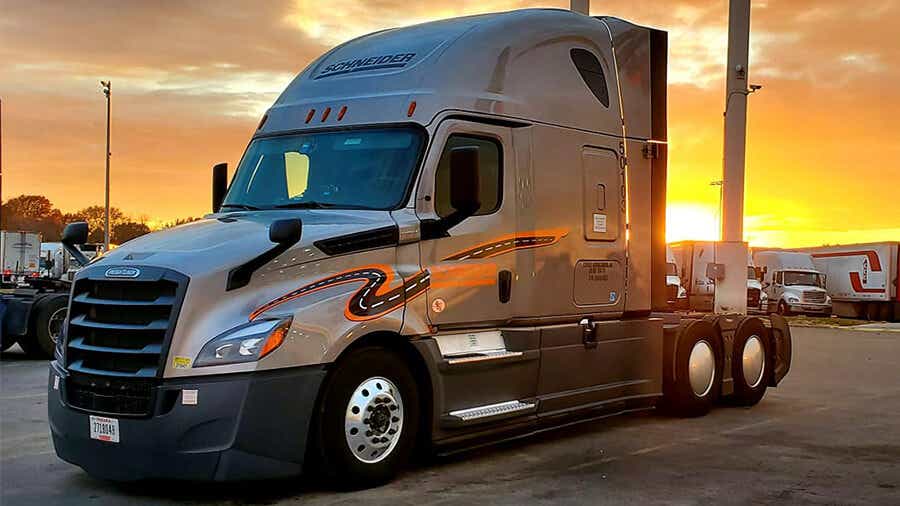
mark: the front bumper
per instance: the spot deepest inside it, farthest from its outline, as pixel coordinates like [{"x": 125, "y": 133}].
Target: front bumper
[
  {"x": 244, "y": 426},
  {"x": 799, "y": 307}
]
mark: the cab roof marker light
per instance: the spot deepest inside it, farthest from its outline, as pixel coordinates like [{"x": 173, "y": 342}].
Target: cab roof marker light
[
  {"x": 325, "y": 114},
  {"x": 310, "y": 114},
  {"x": 341, "y": 113},
  {"x": 411, "y": 109}
]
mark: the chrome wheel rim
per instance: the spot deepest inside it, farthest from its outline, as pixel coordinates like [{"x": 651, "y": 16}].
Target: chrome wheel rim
[
  {"x": 374, "y": 420},
  {"x": 55, "y": 324},
  {"x": 702, "y": 368},
  {"x": 753, "y": 361}
]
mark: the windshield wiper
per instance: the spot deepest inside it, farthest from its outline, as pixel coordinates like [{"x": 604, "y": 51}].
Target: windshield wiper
[
  {"x": 317, "y": 205},
  {"x": 241, "y": 206}
]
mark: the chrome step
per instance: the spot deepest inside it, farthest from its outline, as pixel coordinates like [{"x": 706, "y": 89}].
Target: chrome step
[
  {"x": 483, "y": 357},
  {"x": 491, "y": 410}
]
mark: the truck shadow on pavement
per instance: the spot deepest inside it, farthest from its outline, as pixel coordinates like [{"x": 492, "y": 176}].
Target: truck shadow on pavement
[{"x": 421, "y": 472}]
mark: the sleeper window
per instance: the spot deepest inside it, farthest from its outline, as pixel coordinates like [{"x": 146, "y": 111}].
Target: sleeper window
[{"x": 490, "y": 162}]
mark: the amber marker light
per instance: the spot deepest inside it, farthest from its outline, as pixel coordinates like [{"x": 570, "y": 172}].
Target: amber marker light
[
  {"x": 411, "y": 109},
  {"x": 275, "y": 339}
]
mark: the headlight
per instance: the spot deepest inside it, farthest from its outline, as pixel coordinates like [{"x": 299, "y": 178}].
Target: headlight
[
  {"x": 793, "y": 299},
  {"x": 828, "y": 299},
  {"x": 246, "y": 343}
]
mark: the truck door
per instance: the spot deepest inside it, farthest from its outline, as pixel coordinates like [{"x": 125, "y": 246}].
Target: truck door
[{"x": 472, "y": 264}]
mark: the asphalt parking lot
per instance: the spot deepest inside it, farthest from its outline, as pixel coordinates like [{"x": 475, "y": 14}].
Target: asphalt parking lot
[{"x": 830, "y": 434}]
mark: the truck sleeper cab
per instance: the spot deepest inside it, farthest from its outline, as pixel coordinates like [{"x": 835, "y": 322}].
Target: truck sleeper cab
[{"x": 423, "y": 246}]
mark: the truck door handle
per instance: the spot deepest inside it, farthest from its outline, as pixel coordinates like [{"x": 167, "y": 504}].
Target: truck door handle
[{"x": 504, "y": 280}]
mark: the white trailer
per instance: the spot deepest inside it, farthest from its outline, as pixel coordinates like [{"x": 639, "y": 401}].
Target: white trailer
[
  {"x": 693, "y": 259},
  {"x": 20, "y": 254},
  {"x": 863, "y": 280}
]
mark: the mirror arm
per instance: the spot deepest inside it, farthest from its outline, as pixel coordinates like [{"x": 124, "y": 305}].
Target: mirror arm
[
  {"x": 435, "y": 229},
  {"x": 239, "y": 276},
  {"x": 76, "y": 253}
]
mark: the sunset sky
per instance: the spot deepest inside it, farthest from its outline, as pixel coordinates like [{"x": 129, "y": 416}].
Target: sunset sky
[{"x": 191, "y": 80}]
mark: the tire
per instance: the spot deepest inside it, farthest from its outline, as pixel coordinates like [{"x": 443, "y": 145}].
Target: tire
[
  {"x": 751, "y": 362},
  {"x": 41, "y": 340},
  {"x": 687, "y": 396},
  {"x": 393, "y": 399}
]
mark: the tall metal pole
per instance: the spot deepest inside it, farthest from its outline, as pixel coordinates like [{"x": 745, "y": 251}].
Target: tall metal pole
[
  {"x": 731, "y": 286},
  {"x": 1, "y": 150},
  {"x": 580, "y": 6},
  {"x": 107, "y": 90},
  {"x": 736, "y": 92}
]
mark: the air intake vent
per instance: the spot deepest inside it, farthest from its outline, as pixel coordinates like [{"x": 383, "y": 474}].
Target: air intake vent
[{"x": 370, "y": 239}]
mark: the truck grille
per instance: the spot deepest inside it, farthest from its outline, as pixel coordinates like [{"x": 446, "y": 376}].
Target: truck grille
[
  {"x": 118, "y": 337},
  {"x": 753, "y": 297},
  {"x": 814, "y": 297}
]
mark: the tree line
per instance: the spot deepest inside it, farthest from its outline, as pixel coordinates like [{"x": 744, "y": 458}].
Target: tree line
[{"x": 36, "y": 213}]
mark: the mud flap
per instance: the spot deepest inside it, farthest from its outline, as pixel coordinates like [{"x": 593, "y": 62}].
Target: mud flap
[{"x": 780, "y": 341}]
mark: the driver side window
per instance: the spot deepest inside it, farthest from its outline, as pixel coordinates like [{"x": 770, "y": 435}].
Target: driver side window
[
  {"x": 779, "y": 278},
  {"x": 490, "y": 162}
]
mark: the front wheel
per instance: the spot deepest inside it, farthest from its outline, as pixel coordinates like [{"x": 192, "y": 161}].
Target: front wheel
[{"x": 367, "y": 420}]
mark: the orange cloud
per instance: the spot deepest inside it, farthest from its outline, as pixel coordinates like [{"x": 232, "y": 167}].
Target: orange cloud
[{"x": 191, "y": 79}]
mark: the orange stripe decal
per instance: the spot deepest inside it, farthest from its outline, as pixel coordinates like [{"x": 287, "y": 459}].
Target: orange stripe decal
[{"x": 377, "y": 295}]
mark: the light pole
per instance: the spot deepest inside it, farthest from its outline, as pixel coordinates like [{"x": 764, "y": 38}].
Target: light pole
[
  {"x": 721, "y": 184},
  {"x": 106, "y": 88}
]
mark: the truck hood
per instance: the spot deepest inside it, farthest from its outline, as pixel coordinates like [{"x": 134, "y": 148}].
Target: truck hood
[{"x": 223, "y": 241}]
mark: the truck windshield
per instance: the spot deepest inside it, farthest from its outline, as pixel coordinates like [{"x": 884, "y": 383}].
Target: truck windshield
[
  {"x": 802, "y": 278},
  {"x": 671, "y": 269},
  {"x": 361, "y": 169}
]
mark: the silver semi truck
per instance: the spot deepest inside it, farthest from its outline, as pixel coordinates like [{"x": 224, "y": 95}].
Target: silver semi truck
[{"x": 439, "y": 236}]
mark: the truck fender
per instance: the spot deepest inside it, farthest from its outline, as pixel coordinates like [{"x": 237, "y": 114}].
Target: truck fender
[{"x": 780, "y": 343}]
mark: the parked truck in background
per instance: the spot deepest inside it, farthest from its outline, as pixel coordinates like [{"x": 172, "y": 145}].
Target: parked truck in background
[
  {"x": 33, "y": 305},
  {"x": 863, "y": 280},
  {"x": 757, "y": 299},
  {"x": 20, "y": 254},
  {"x": 693, "y": 260},
  {"x": 676, "y": 295},
  {"x": 792, "y": 283},
  {"x": 423, "y": 246}
]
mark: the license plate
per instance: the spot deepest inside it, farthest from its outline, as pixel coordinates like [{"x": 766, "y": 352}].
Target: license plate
[{"x": 105, "y": 429}]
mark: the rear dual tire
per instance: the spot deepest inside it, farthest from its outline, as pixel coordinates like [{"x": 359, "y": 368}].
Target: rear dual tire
[
  {"x": 750, "y": 362},
  {"x": 367, "y": 420},
  {"x": 697, "y": 371}
]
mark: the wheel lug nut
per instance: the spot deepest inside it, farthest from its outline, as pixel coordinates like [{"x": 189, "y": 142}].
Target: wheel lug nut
[
  {"x": 393, "y": 408},
  {"x": 369, "y": 408},
  {"x": 368, "y": 433},
  {"x": 395, "y": 419},
  {"x": 392, "y": 432},
  {"x": 366, "y": 421}
]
